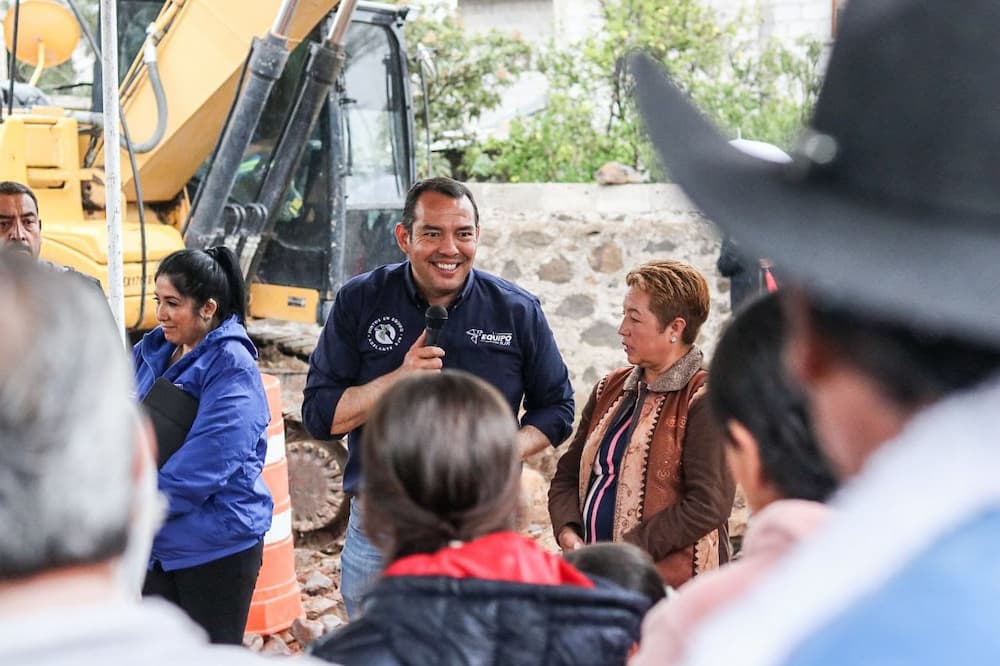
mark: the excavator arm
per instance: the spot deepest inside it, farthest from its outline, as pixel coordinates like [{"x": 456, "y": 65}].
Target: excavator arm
[{"x": 201, "y": 48}]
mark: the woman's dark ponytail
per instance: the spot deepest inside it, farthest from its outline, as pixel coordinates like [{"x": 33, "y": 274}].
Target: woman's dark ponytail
[
  {"x": 209, "y": 274},
  {"x": 237, "y": 296}
]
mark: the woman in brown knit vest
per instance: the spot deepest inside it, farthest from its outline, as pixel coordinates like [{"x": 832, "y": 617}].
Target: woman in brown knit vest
[{"x": 647, "y": 464}]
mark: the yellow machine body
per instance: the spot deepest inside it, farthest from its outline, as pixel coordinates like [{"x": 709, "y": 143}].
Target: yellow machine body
[{"x": 202, "y": 47}]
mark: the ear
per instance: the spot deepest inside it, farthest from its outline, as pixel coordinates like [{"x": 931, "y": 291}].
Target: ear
[
  {"x": 743, "y": 456},
  {"x": 676, "y": 327},
  {"x": 807, "y": 359},
  {"x": 403, "y": 238},
  {"x": 209, "y": 309}
]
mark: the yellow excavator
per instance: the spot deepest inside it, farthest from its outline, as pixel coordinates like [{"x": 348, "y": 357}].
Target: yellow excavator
[
  {"x": 269, "y": 125},
  {"x": 307, "y": 199}
]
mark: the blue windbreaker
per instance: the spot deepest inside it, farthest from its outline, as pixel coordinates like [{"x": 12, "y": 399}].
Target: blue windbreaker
[{"x": 219, "y": 504}]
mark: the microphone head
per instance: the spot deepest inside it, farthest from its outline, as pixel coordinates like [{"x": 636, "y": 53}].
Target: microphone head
[{"x": 435, "y": 317}]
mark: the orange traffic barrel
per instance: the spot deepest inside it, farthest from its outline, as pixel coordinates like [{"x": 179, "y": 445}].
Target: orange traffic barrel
[{"x": 276, "y": 600}]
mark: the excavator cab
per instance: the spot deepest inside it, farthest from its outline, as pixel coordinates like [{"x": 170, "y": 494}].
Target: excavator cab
[{"x": 347, "y": 193}]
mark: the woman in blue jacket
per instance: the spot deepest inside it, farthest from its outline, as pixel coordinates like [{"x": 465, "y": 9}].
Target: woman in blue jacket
[{"x": 206, "y": 557}]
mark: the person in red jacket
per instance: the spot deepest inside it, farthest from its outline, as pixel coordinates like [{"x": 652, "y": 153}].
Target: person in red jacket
[{"x": 440, "y": 481}]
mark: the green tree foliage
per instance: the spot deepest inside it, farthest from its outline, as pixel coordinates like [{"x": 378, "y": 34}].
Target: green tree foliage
[
  {"x": 760, "y": 92},
  {"x": 470, "y": 74}
]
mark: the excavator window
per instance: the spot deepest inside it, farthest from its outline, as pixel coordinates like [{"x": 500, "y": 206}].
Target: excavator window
[{"x": 360, "y": 147}]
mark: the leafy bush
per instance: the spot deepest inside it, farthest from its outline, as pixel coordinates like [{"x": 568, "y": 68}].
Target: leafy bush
[{"x": 760, "y": 92}]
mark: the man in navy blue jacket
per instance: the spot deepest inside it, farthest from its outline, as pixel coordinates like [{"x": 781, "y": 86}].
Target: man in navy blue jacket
[{"x": 375, "y": 336}]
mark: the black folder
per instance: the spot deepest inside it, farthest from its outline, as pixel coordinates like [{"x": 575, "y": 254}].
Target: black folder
[{"x": 172, "y": 412}]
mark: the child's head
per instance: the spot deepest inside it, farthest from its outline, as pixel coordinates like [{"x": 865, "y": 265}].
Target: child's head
[
  {"x": 625, "y": 565},
  {"x": 772, "y": 449}
]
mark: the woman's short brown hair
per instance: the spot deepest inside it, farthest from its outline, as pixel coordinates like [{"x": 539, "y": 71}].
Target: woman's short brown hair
[
  {"x": 675, "y": 289},
  {"x": 439, "y": 463}
]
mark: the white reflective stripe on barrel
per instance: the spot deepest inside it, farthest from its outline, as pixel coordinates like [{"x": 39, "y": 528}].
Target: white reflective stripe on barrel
[
  {"x": 275, "y": 448},
  {"x": 281, "y": 527}
]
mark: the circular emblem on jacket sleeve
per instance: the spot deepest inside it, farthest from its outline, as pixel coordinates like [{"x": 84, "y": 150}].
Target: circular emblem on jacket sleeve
[{"x": 385, "y": 333}]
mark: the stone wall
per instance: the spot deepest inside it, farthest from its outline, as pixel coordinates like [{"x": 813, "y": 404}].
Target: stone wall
[{"x": 572, "y": 245}]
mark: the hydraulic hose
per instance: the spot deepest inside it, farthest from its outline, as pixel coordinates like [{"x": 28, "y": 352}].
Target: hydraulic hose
[{"x": 149, "y": 60}]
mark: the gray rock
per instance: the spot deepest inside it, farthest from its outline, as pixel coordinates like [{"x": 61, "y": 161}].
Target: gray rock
[
  {"x": 317, "y": 606},
  {"x": 276, "y": 646},
  {"x": 576, "y": 306},
  {"x": 533, "y": 239},
  {"x": 331, "y": 622},
  {"x": 317, "y": 582},
  {"x": 511, "y": 270},
  {"x": 590, "y": 376},
  {"x": 253, "y": 642},
  {"x": 606, "y": 258},
  {"x": 601, "y": 334},
  {"x": 556, "y": 270},
  {"x": 616, "y": 173},
  {"x": 306, "y": 631},
  {"x": 665, "y": 246}
]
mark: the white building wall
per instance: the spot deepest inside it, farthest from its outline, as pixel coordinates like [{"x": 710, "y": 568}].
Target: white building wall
[
  {"x": 533, "y": 20},
  {"x": 568, "y": 21},
  {"x": 787, "y": 20}
]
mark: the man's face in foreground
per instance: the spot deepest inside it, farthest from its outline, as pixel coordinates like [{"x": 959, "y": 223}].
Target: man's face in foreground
[{"x": 851, "y": 415}]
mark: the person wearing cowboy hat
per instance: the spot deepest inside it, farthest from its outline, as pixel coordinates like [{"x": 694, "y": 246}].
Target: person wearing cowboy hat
[{"x": 887, "y": 220}]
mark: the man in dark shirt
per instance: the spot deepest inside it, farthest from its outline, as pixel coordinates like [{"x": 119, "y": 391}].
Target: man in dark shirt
[
  {"x": 21, "y": 227},
  {"x": 375, "y": 336}
]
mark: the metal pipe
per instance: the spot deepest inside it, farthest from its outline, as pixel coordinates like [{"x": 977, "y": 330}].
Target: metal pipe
[
  {"x": 321, "y": 71},
  {"x": 265, "y": 67},
  {"x": 341, "y": 22},
  {"x": 112, "y": 163},
  {"x": 325, "y": 63},
  {"x": 284, "y": 18}
]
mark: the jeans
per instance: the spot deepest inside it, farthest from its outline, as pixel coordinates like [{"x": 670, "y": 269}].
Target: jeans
[{"x": 360, "y": 563}]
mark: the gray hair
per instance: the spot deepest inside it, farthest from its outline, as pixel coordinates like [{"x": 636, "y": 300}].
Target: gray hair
[{"x": 67, "y": 423}]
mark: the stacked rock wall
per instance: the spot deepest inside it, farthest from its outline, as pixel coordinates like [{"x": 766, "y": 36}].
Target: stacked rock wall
[{"x": 572, "y": 245}]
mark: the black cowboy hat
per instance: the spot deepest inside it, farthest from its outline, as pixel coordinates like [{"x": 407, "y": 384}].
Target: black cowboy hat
[{"x": 891, "y": 204}]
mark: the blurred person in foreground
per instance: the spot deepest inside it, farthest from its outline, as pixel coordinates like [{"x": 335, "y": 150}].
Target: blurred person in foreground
[
  {"x": 894, "y": 335},
  {"x": 79, "y": 502},
  {"x": 774, "y": 456},
  {"x": 208, "y": 553},
  {"x": 647, "y": 465},
  {"x": 441, "y": 478}
]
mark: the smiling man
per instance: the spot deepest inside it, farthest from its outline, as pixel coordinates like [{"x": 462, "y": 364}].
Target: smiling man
[{"x": 375, "y": 336}]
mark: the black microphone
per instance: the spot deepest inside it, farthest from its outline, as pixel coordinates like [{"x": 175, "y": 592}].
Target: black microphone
[{"x": 435, "y": 317}]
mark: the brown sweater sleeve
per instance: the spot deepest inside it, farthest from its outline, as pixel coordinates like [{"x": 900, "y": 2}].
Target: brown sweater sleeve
[
  {"x": 564, "y": 491},
  {"x": 708, "y": 490}
]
